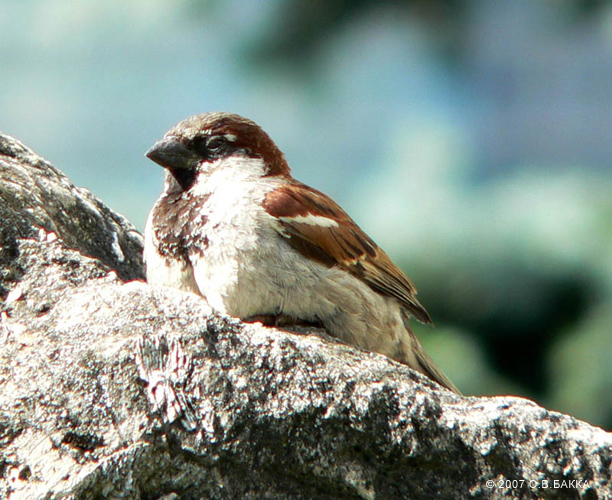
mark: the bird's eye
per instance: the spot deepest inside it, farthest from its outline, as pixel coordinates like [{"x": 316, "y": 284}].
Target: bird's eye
[{"x": 216, "y": 144}]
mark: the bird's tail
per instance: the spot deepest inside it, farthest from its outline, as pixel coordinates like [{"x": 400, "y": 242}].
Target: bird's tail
[
  {"x": 415, "y": 356},
  {"x": 429, "y": 368}
]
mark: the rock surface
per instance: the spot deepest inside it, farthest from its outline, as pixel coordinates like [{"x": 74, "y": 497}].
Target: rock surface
[
  {"x": 34, "y": 195},
  {"x": 110, "y": 388}
]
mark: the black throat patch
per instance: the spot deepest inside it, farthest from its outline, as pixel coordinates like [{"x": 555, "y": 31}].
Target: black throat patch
[{"x": 184, "y": 177}]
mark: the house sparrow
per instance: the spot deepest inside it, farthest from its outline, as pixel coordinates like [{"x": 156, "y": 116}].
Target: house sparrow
[{"x": 234, "y": 226}]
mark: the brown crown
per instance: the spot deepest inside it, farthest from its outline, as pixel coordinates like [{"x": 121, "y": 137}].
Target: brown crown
[{"x": 249, "y": 137}]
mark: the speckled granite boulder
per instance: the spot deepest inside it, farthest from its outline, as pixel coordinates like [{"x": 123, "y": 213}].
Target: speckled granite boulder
[{"x": 110, "y": 388}]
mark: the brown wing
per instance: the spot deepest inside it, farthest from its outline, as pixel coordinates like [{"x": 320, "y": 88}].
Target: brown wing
[{"x": 318, "y": 228}]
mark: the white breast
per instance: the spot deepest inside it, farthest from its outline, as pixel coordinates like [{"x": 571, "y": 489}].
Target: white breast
[{"x": 233, "y": 273}]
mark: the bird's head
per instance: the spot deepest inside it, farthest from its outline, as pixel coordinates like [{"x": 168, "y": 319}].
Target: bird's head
[{"x": 208, "y": 142}]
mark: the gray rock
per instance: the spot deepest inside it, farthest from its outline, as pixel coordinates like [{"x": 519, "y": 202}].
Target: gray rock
[
  {"x": 111, "y": 388},
  {"x": 35, "y": 195}
]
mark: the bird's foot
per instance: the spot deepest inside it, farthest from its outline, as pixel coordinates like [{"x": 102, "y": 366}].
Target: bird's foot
[{"x": 281, "y": 321}]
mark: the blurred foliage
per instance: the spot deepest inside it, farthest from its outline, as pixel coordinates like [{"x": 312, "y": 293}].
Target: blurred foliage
[
  {"x": 302, "y": 26},
  {"x": 517, "y": 313},
  {"x": 306, "y": 24}
]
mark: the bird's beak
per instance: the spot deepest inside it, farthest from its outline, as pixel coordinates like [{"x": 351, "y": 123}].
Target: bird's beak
[{"x": 170, "y": 153}]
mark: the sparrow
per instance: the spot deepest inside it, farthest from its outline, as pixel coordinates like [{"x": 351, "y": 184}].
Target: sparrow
[{"x": 234, "y": 226}]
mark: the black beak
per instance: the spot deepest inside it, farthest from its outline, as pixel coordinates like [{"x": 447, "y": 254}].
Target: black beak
[{"x": 173, "y": 154}]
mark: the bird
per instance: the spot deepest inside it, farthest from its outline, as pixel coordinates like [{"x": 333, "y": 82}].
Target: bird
[{"x": 233, "y": 226}]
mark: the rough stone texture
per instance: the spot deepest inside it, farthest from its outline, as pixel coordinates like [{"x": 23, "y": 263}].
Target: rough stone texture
[
  {"x": 34, "y": 194},
  {"x": 114, "y": 389}
]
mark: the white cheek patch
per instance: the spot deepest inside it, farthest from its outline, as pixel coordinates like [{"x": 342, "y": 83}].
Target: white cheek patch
[{"x": 311, "y": 220}]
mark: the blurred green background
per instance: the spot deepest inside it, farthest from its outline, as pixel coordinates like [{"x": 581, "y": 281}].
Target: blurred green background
[{"x": 471, "y": 139}]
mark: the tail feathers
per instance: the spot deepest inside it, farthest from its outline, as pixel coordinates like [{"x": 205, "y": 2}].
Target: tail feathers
[
  {"x": 429, "y": 368},
  {"x": 415, "y": 356}
]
